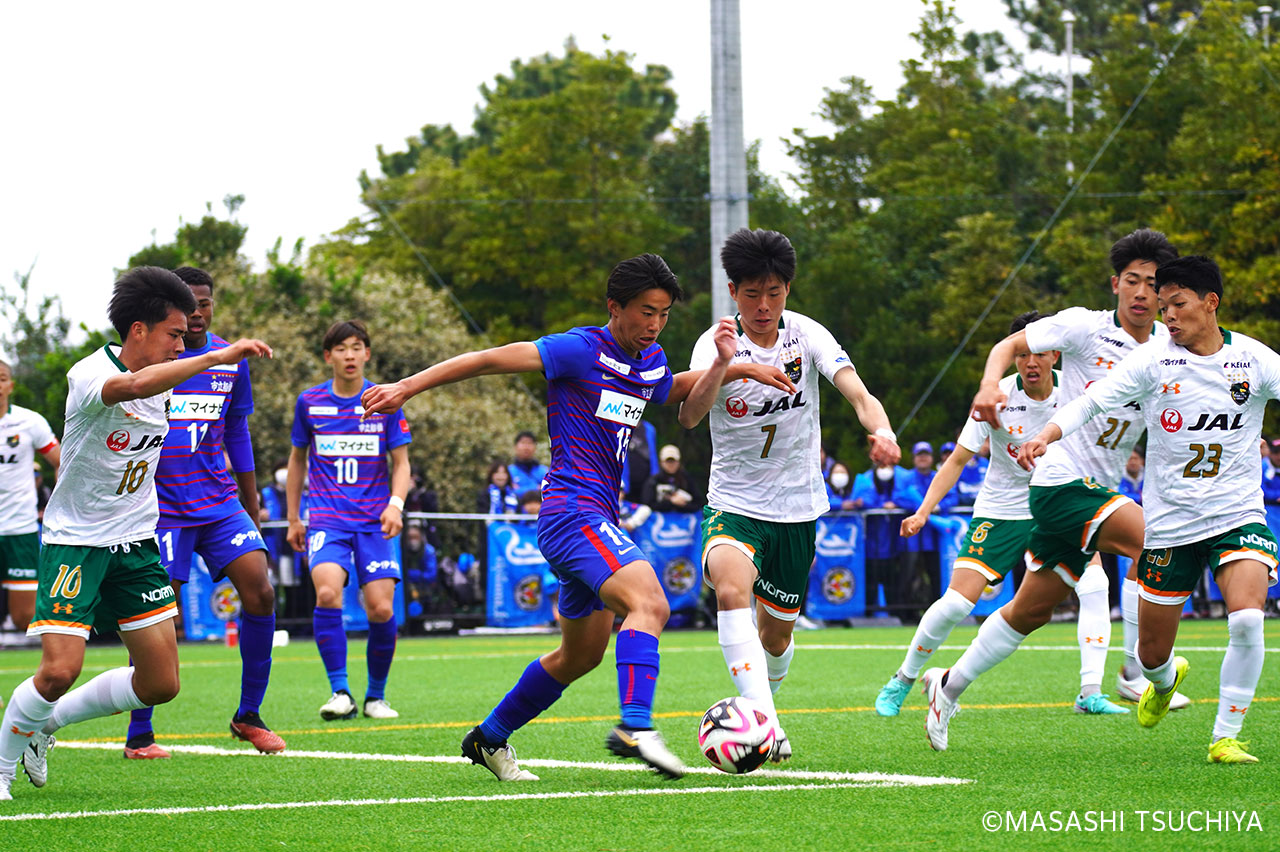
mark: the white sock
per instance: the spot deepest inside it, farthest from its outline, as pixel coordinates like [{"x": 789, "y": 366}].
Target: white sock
[
  {"x": 744, "y": 656},
  {"x": 27, "y": 712},
  {"x": 996, "y": 641},
  {"x": 779, "y": 665},
  {"x": 108, "y": 693},
  {"x": 1164, "y": 676},
  {"x": 1093, "y": 628},
  {"x": 936, "y": 625},
  {"x": 1129, "y": 611},
  {"x": 1241, "y": 668}
]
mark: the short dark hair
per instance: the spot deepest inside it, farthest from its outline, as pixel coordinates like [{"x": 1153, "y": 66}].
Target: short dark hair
[
  {"x": 194, "y": 277},
  {"x": 1142, "y": 244},
  {"x": 758, "y": 256},
  {"x": 147, "y": 294},
  {"x": 1195, "y": 272},
  {"x": 643, "y": 272},
  {"x": 525, "y": 434},
  {"x": 1021, "y": 321},
  {"x": 340, "y": 331}
]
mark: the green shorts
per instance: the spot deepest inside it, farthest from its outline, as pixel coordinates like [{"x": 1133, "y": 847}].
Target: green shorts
[
  {"x": 19, "y": 556},
  {"x": 1168, "y": 575},
  {"x": 1067, "y": 520},
  {"x": 122, "y": 587},
  {"x": 782, "y": 554},
  {"x": 994, "y": 547}
]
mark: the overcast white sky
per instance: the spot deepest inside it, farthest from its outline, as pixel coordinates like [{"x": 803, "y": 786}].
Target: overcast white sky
[{"x": 123, "y": 119}]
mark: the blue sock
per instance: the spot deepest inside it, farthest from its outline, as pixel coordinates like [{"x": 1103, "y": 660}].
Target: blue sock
[
  {"x": 637, "y": 656},
  {"x": 331, "y": 639},
  {"x": 140, "y": 720},
  {"x": 378, "y": 655},
  {"x": 534, "y": 692},
  {"x": 256, "y": 633}
]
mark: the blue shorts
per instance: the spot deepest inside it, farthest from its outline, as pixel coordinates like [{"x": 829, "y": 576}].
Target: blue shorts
[
  {"x": 378, "y": 557},
  {"x": 583, "y": 549},
  {"x": 219, "y": 542}
]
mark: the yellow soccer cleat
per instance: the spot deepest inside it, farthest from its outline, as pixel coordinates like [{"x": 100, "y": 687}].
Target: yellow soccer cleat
[
  {"x": 1152, "y": 706},
  {"x": 1230, "y": 750}
]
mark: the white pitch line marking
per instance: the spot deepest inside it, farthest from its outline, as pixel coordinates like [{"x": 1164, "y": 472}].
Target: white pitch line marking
[
  {"x": 882, "y": 779},
  {"x": 431, "y": 800}
]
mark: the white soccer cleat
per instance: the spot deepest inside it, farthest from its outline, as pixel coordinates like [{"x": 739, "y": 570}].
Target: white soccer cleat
[
  {"x": 339, "y": 706},
  {"x": 781, "y": 747},
  {"x": 941, "y": 709},
  {"x": 6, "y": 781},
  {"x": 647, "y": 745},
  {"x": 378, "y": 708},
  {"x": 1131, "y": 689},
  {"x": 499, "y": 759},
  {"x": 35, "y": 757}
]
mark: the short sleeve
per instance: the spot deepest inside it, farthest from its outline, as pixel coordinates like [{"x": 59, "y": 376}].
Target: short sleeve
[
  {"x": 565, "y": 355},
  {"x": 1066, "y": 331},
  {"x": 704, "y": 351},
  {"x": 397, "y": 430},
  {"x": 301, "y": 436},
  {"x": 1270, "y": 363},
  {"x": 974, "y": 433},
  {"x": 663, "y": 388},
  {"x": 241, "y": 402},
  {"x": 828, "y": 355}
]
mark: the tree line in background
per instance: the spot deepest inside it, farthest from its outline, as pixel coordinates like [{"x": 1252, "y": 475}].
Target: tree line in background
[{"x": 910, "y": 213}]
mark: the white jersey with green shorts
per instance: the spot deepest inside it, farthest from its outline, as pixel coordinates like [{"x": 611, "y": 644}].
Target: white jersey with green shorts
[
  {"x": 103, "y": 510},
  {"x": 23, "y": 433}
]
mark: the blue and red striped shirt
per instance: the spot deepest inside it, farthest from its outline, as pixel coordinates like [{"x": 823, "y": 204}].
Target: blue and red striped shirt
[
  {"x": 348, "y": 486},
  {"x": 596, "y": 396}
]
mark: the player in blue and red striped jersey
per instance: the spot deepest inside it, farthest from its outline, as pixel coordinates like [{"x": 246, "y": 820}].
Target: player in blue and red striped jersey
[
  {"x": 355, "y": 504},
  {"x": 600, "y": 379},
  {"x": 205, "y": 510}
]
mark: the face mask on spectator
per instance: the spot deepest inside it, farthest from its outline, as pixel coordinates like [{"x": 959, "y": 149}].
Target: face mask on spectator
[
  {"x": 884, "y": 474},
  {"x": 839, "y": 480},
  {"x": 282, "y": 475}
]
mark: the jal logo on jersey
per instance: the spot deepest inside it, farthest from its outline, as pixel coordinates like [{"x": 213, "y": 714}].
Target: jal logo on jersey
[
  {"x": 119, "y": 441},
  {"x": 1170, "y": 420},
  {"x": 773, "y": 406},
  {"x": 619, "y": 408},
  {"x": 736, "y": 406}
]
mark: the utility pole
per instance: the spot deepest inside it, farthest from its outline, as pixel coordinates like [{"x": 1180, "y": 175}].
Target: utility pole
[
  {"x": 1069, "y": 20},
  {"x": 728, "y": 155}
]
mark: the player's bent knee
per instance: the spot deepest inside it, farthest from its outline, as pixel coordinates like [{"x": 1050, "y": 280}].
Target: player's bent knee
[{"x": 55, "y": 680}]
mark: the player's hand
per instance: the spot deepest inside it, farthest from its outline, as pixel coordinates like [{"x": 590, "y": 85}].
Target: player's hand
[
  {"x": 912, "y": 524},
  {"x": 725, "y": 338},
  {"x": 766, "y": 375},
  {"x": 988, "y": 402},
  {"x": 297, "y": 536},
  {"x": 241, "y": 349},
  {"x": 884, "y": 451},
  {"x": 392, "y": 521},
  {"x": 1030, "y": 451},
  {"x": 383, "y": 399}
]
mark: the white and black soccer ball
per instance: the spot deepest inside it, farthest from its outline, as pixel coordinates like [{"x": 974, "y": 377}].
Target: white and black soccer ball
[{"x": 736, "y": 735}]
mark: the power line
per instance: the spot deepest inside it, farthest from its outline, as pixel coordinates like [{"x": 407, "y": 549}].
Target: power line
[{"x": 1053, "y": 219}]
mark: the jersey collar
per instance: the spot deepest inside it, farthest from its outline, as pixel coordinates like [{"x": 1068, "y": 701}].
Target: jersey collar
[{"x": 114, "y": 359}]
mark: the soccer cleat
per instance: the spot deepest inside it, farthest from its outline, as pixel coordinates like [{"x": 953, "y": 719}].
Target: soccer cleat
[
  {"x": 1153, "y": 705},
  {"x": 941, "y": 709},
  {"x": 339, "y": 706},
  {"x": 1229, "y": 750},
  {"x": 1131, "y": 689},
  {"x": 254, "y": 731},
  {"x": 35, "y": 757},
  {"x": 892, "y": 694},
  {"x": 150, "y": 751},
  {"x": 498, "y": 759},
  {"x": 378, "y": 708},
  {"x": 6, "y": 781},
  {"x": 1098, "y": 704},
  {"x": 781, "y": 747},
  {"x": 645, "y": 744}
]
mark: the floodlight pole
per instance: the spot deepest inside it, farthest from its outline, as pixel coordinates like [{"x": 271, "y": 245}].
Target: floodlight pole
[
  {"x": 1266, "y": 11},
  {"x": 1069, "y": 20},
  {"x": 728, "y": 155}
]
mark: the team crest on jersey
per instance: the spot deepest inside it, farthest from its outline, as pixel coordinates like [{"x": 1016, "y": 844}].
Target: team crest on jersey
[
  {"x": 791, "y": 362},
  {"x": 1239, "y": 388},
  {"x": 13, "y": 440}
]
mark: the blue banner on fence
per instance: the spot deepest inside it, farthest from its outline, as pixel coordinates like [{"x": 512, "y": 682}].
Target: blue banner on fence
[
  {"x": 207, "y": 606},
  {"x": 838, "y": 579},
  {"x": 516, "y": 594},
  {"x": 672, "y": 541}
]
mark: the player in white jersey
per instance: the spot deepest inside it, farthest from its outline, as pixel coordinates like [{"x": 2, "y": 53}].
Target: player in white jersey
[
  {"x": 1073, "y": 502},
  {"x": 100, "y": 563},
  {"x": 1001, "y": 525},
  {"x": 23, "y": 433},
  {"x": 1203, "y": 391},
  {"x": 766, "y": 487}
]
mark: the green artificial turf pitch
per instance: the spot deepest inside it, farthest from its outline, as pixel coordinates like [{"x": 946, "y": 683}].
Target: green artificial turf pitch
[{"x": 1016, "y": 745}]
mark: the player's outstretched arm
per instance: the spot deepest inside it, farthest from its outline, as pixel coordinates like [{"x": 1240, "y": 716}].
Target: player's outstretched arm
[
  {"x": 703, "y": 393},
  {"x": 159, "y": 378},
  {"x": 989, "y": 399},
  {"x": 513, "y": 358},
  {"x": 946, "y": 479},
  {"x": 393, "y": 515},
  {"x": 871, "y": 414},
  {"x": 297, "y": 534}
]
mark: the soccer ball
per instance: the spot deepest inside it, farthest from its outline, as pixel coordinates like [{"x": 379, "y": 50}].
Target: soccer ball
[{"x": 736, "y": 735}]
